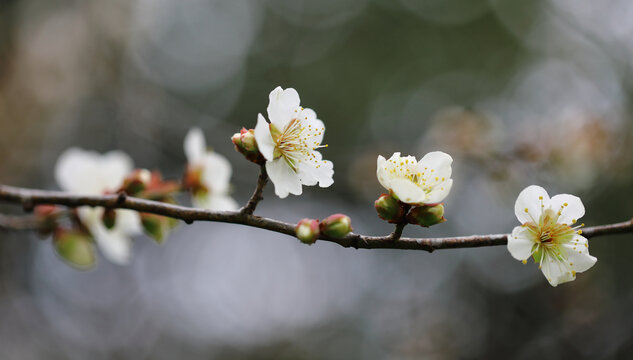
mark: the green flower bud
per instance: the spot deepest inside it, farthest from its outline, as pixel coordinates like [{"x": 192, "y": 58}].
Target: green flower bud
[
  {"x": 336, "y": 226},
  {"x": 75, "y": 248},
  {"x": 389, "y": 208},
  {"x": 109, "y": 218},
  {"x": 426, "y": 215},
  {"x": 136, "y": 182},
  {"x": 156, "y": 226},
  {"x": 307, "y": 231}
]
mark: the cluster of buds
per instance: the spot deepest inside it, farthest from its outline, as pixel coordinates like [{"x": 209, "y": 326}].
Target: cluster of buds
[
  {"x": 246, "y": 145},
  {"x": 391, "y": 209},
  {"x": 335, "y": 226}
]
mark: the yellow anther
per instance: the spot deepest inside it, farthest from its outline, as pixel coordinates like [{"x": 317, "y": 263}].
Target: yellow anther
[{"x": 526, "y": 210}]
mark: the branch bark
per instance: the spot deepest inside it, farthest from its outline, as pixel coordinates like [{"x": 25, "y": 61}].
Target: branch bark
[
  {"x": 29, "y": 198},
  {"x": 257, "y": 196}
]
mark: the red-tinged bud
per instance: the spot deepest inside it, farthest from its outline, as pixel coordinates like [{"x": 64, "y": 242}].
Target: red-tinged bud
[
  {"x": 136, "y": 182},
  {"x": 427, "y": 215},
  {"x": 336, "y": 226},
  {"x": 390, "y": 209},
  {"x": 109, "y": 218},
  {"x": 75, "y": 247},
  {"x": 159, "y": 189},
  {"x": 246, "y": 145},
  {"x": 193, "y": 179},
  {"x": 307, "y": 231}
]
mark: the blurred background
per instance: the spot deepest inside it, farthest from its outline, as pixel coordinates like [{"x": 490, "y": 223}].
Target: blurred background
[{"x": 519, "y": 92}]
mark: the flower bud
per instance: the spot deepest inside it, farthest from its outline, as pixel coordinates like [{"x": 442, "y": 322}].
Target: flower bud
[
  {"x": 307, "y": 231},
  {"x": 75, "y": 248},
  {"x": 389, "y": 208},
  {"x": 246, "y": 145},
  {"x": 136, "y": 182},
  {"x": 426, "y": 215},
  {"x": 336, "y": 226},
  {"x": 156, "y": 226},
  {"x": 109, "y": 218}
]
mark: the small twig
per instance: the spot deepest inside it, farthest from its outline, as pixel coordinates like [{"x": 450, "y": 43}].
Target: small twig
[
  {"x": 397, "y": 232},
  {"x": 18, "y": 195},
  {"x": 257, "y": 196}
]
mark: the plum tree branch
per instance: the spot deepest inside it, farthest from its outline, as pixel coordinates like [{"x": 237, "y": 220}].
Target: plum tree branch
[
  {"x": 257, "y": 196},
  {"x": 29, "y": 198}
]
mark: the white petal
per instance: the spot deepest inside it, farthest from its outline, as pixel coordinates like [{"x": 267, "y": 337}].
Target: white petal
[
  {"x": 74, "y": 171},
  {"x": 114, "y": 167},
  {"x": 407, "y": 191},
  {"x": 310, "y": 174},
  {"x": 578, "y": 254},
  {"x": 195, "y": 145},
  {"x": 382, "y": 172},
  {"x": 216, "y": 172},
  {"x": 436, "y": 162},
  {"x": 556, "y": 271},
  {"x": 282, "y": 105},
  {"x": 115, "y": 246},
  {"x": 314, "y": 136},
  {"x": 285, "y": 179},
  {"x": 439, "y": 192},
  {"x": 221, "y": 202},
  {"x": 264, "y": 140},
  {"x": 520, "y": 243},
  {"x": 530, "y": 199},
  {"x": 128, "y": 222},
  {"x": 570, "y": 207}
]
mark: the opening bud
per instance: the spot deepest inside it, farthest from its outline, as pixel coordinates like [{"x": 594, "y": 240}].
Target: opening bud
[
  {"x": 426, "y": 215},
  {"x": 136, "y": 182},
  {"x": 389, "y": 208},
  {"x": 307, "y": 231},
  {"x": 246, "y": 145},
  {"x": 336, "y": 226}
]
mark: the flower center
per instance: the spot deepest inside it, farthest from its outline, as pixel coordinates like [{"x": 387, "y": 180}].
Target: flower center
[{"x": 296, "y": 143}]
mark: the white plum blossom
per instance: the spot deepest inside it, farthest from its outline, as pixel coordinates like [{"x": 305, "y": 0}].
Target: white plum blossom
[
  {"x": 213, "y": 173},
  {"x": 548, "y": 236},
  {"x": 289, "y": 144},
  {"x": 90, "y": 173},
  {"x": 427, "y": 181}
]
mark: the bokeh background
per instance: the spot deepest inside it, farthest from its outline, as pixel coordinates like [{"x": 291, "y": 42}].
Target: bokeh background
[{"x": 519, "y": 92}]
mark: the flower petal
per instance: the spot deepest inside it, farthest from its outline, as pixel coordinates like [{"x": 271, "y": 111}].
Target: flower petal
[
  {"x": 435, "y": 163},
  {"x": 520, "y": 243},
  {"x": 114, "y": 166},
  {"x": 282, "y": 105},
  {"x": 530, "y": 204},
  {"x": 284, "y": 178},
  {"x": 319, "y": 171},
  {"x": 407, "y": 191},
  {"x": 265, "y": 142},
  {"x": 316, "y": 129},
  {"x": 578, "y": 254},
  {"x": 115, "y": 246},
  {"x": 439, "y": 192},
  {"x": 382, "y": 172},
  {"x": 556, "y": 271},
  {"x": 216, "y": 173},
  {"x": 195, "y": 145},
  {"x": 216, "y": 202},
  {"x": 88, "y": 172},
  {"x": 570, "y": 207},
  {"x": 128, "y": 222}
]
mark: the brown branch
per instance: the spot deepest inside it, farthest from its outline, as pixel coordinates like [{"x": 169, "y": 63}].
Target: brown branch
[
  {"x": 189, "y": 215},
  {"x": 251, "y": 205}
]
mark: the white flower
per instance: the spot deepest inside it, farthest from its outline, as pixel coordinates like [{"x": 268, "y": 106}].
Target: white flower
[
  {"x": 213, "y": 174},
  {"x": 90, "y": 173},
  {"x": 289, "y": 144},
  {"x": 427, "y": 181},
  {"x": 547, "y": 234}
]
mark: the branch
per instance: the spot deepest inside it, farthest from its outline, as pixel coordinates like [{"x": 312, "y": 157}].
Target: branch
[
  {"x": 29, "y": 198},
  {"x": 251, "y": 205}
]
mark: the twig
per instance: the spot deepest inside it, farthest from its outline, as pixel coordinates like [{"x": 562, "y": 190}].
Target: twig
[
  {"x": 35, "y": 197},
  {"x": 251, "y": 205}
]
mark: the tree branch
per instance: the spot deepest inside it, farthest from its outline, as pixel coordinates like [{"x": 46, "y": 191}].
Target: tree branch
[
  {"x": 251, "y": 205},
  {"x": 29, "y": 198}
]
